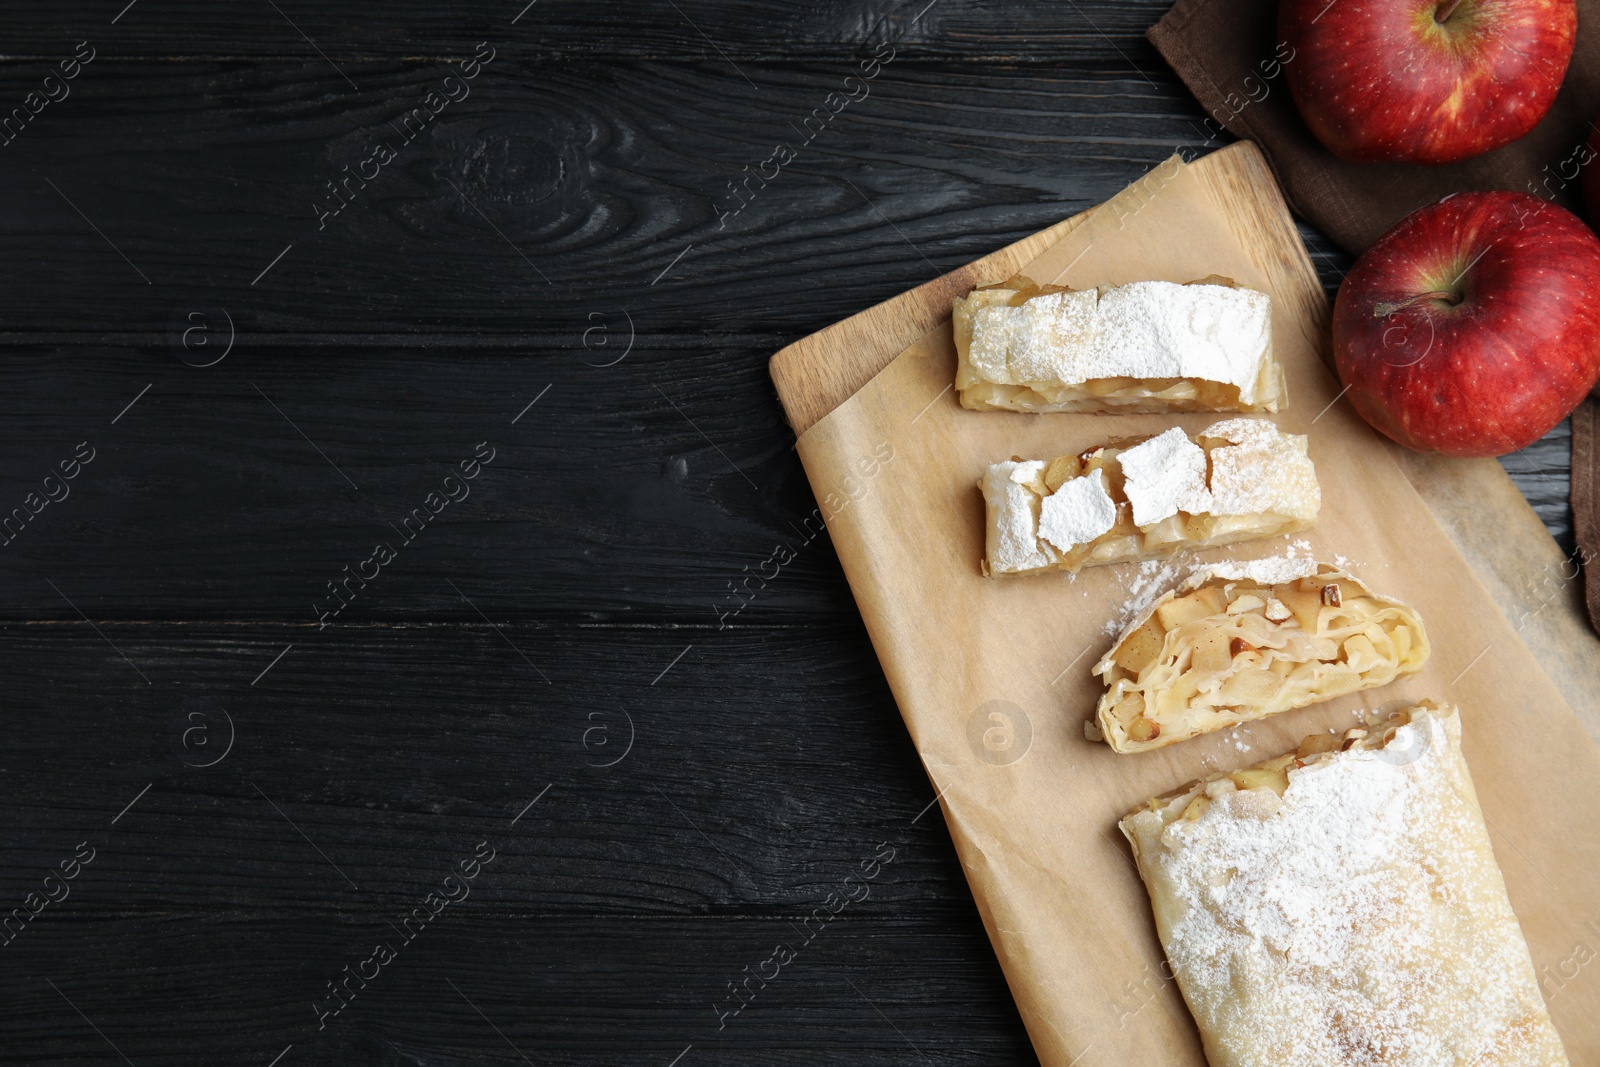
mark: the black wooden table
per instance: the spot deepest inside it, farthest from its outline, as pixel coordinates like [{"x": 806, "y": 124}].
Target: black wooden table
[{"x": 386, "y": 425}]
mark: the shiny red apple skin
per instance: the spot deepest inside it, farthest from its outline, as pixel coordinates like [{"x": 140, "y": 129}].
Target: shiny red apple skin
[
  {"x": 1383, "y": 80},
  {"x": 1498, "y": 369}
]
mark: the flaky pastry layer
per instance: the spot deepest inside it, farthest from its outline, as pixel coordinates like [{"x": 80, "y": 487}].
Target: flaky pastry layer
[
  {"x": 1341, "y": 905},
  {"x": 1149, "y": 346},
  {"x": 1224, "y": 650}
]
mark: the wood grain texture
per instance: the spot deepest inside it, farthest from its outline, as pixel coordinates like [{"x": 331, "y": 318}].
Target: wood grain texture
[
  {"x": 1099, "y": 35},
  {"x": 597, "y": 148},
  {"x": 552, "y": 192},
  {"x": 393, "y": 748},
  {"x": 623, "y": 901},
  {"x": 485, "y": 986},
  {"x": 647, "y": 491}
]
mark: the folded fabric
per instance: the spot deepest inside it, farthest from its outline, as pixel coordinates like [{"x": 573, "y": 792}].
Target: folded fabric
[{"x": 1229, "y": 55}]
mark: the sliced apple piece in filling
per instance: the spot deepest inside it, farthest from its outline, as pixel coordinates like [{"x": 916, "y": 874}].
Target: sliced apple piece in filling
[{"x": 1216, "y": 653}]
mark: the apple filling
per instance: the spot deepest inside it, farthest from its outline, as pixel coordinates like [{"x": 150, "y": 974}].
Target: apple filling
[
  {"x": 1082, "y": 352},
  {"x": 1236, "y": 650},
  {"x": 1120, "y": 394}
]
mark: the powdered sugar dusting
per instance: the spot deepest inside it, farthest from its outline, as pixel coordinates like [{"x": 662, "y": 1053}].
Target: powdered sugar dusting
[
  {"x": 1261, "y": 469},
  {"x": 1163, "y": 476},
  {"x": 1297, "y": 561},
  {"x": 1273, "y": 570},
  {"x": 1077, "y": 513},
  {"x": 1011, "y": 541},
  {"x": 1142, "y": 330},
  {"x": 1360, "y": 921},
  {"x": 1153, "y": 579}
]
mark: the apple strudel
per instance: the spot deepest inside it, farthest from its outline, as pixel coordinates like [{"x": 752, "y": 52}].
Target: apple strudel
[
  {"x": 1245, "y": 641},
  {"x": 1342, "y": 905},
  {"x": 1148, "y": 346},
  {"x": 1236, "y": 480}
]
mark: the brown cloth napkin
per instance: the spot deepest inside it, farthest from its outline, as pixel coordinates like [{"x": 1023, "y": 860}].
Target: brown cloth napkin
[
  {"x": 1229, "y": 54},
  {"x": 1586, "y": 499}
]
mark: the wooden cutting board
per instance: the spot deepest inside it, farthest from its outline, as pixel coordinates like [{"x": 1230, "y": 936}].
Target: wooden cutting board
[{"x": 1477, "y": 503}]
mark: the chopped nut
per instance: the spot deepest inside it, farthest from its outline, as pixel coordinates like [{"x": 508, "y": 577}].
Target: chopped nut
[
  {"x": 1240, "y": 645},
  {"x": 1277, "y": 611},
  {"x": 1245, "y": 602},
  {"x": 1330, "y": 595},
  {"x": 1304, "y": 604},
  {"x": 1352, "y": 736},
  {"x": 1143, "y": 729}
]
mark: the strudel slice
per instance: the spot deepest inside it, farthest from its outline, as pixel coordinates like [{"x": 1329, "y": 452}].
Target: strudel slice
[
  {"x": 1147, "y": 346},
  {"x": 1245, "y": 641},
  {"x": 1341, "y": 905},
  {"x": 1145, "y": 499}
]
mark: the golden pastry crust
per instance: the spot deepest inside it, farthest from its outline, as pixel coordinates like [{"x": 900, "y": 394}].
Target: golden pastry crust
[
  {"x": 1143, "y": 347},
  {"x": 1341, "y": 905},
  {"x": 1148, "y": 498},
  {"x": 1235, "y": 644}
]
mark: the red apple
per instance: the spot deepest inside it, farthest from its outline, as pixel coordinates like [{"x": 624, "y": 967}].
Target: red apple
[
  {"x": 1424, "y": 81},
  {"x": 1472, "y": 327}
]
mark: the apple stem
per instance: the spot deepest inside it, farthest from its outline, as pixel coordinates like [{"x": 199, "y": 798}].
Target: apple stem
[
  {"x": 1443, "y": 14},
  {"x": 1381, "y": 310}
]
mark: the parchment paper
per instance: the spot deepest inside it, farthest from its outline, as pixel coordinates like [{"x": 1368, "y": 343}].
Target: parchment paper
[{"x": 992, "y": 675}]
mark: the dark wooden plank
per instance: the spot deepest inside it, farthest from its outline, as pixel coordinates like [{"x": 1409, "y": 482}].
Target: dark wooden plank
[
  {"x": 614, "y": 181},
  {"x": 1543, "y": 472},
  {"x": 483, "y": 986},
  {"x": 994, "y": 31},
  {"x": 647, "y": 490},
  {"x": 765, "y": 764},
  {"x": 661, "y": 489}
]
